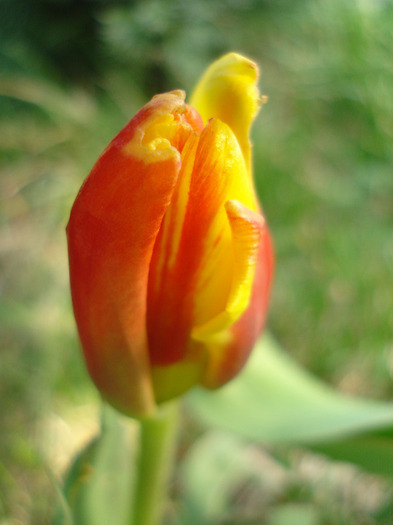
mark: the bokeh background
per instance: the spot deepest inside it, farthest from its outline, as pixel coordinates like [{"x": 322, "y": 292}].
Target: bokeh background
[{"x": 72, "y": 74}]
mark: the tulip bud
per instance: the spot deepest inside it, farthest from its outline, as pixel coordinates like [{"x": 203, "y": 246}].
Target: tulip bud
[{"x": 170, "y": 257}]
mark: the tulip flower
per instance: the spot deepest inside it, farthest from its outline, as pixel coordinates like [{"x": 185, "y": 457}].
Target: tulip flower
[{"x": 170, "y": 257}]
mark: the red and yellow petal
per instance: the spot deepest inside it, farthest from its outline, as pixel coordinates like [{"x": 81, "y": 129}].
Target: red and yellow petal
[
  {"x": 204, "y": 260},
  {"x": 230, "y": 354},
  {"x": 246, "y": 230},
  {"x": 111, "y": 234},
  {"x": 193, "y": 262}
]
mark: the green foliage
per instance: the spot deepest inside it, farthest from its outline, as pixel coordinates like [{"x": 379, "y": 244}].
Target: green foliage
[
  {"x": 99, "y": 483},
  {"x": 326, "y": 68},
  {"x": 275, "y": 401},
  {"x": 324, "y": 175}
]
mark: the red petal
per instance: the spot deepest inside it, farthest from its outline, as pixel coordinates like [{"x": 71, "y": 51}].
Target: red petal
[{"x": 111, "y": 233}]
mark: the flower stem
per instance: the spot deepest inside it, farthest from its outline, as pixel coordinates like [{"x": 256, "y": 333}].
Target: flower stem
[{"x": 157, "y": 437}]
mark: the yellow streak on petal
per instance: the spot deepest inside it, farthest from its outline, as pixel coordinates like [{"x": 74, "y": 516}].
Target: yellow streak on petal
[
  {"x": 228, "y": 90},
  {"x": 246, "y": 229},
  {"x": 177, "y": 211}
]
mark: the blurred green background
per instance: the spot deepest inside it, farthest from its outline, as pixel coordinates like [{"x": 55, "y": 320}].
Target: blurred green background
[{"x": 72, "y": 74}]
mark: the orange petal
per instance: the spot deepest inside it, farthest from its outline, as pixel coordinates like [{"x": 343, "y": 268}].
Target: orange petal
[
  {"x": 111, "y": 233},
  {"x": 171, "y": 269},
  {"x": 204, "y": 259},
  {"x": 192, "y": 265}
]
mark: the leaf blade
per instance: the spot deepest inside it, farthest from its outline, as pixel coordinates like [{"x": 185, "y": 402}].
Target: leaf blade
[{"x": 275, "y": 401}]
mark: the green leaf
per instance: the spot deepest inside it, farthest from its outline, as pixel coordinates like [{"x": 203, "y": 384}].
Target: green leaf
[
  {"x": 275, "y": 401},
  {"x": 217, "y": 465},
  {"x": 99, "y": 485},
  {"x": 294, "y": 514},
  {"x": 373, "y": 453}
]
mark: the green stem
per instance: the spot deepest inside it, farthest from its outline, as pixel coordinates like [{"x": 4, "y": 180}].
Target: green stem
[{"x": 157, "y": 437}]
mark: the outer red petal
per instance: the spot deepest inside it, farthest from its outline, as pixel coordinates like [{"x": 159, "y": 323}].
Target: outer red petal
[{"x": 111, "y": 233}]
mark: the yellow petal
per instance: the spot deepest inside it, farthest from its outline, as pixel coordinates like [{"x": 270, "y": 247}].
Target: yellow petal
[
  {"x": 246, "y": 227},
  {"x": 228, "y": 91}
]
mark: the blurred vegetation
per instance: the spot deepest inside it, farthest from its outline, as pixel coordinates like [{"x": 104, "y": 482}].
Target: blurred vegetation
[{"x": 72, "y": 74}]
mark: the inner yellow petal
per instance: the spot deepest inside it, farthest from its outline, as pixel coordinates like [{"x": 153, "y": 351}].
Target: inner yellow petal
[
  {"x": 228, "y": 90},
  {"x": 246, "y": 227}
]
